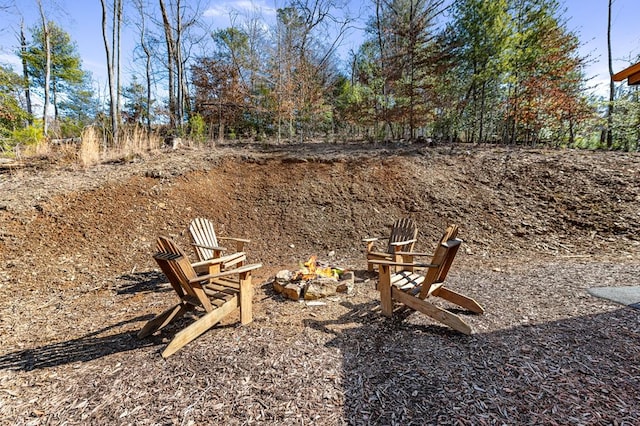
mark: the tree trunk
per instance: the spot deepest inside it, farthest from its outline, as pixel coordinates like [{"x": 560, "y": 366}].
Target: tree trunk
[
  {"x": 182, "y": 96},
  {"x": 25, "y": 74},
  {"x": 179, "y": 67},
  {"x": 117, "y": 24},
  {"x": 110, "y": 74},
  {"x": 612, "y": 87},
  {"x": 147, "y": 54},
  {"x": 481, "y": 136},
  {"x": 381, "y": 48},
  {"x": 168, "y": 34},
  {"x": 55, "y": 101},
  {"x": 47, "y": 68}
]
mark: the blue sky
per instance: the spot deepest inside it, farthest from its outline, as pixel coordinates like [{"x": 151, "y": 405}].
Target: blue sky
[{"x": 82, "y": 19}]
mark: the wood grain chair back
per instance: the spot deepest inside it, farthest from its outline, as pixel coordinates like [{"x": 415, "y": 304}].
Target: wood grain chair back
[
  {"x": 203, "y": 234},
  {"x": 178, "y": 270},
  {"x": 403, "y": 229}
]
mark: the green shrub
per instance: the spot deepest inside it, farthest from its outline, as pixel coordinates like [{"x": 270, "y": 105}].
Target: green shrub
[
  {"x": 31, "y": 135},
  {"x": 198, "y": 128}
]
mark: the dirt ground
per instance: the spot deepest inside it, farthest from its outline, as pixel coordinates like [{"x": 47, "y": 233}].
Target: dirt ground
[{"x": 540, "y": 227}]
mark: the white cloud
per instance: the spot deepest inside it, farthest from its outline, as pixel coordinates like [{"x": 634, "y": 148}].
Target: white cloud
[
  {"x": 223, "y": 9},
  {"x": 10, "y": 59},
  {"x": 216, "y": 12}
]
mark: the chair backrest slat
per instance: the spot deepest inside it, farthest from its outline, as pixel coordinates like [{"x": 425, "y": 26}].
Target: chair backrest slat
[
  {"x": 176, "y": 266},
  {"x": 203, "y": 233},
  {"x": 443, "y": 257},
  {"x": 403, "y": 229}
]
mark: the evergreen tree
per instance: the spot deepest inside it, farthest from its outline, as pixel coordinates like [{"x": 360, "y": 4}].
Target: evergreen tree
[
  {"x": 66, "y": 72},
  {"x": 12, "y": 115},
  {"x": 369, "y": 103},
  {"x": 480, "y": 31},
  {"x": 399, "y": 60},
  {"x": 136, "y": 108},
  {"x": 626, "y": 119},
  {"x": 546, "y": 75}
]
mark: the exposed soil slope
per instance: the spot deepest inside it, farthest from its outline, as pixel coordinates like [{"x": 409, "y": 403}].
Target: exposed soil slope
[{"x": 539, "y": 228}]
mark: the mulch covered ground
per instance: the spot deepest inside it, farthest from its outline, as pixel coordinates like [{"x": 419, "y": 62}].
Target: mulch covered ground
[{"x": 540, "y": 228}]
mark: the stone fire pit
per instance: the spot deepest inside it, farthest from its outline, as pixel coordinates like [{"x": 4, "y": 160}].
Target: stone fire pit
[{"x": 314, "y": 280}]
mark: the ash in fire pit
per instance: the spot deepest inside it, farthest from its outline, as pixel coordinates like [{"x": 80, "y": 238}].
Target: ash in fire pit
[{"x": 313, "y": 280}]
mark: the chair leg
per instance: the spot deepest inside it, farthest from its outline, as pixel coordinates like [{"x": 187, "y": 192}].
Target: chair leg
[
  {"x": 384, "y": 286},
  {"x": 459, "y": 299},
  {"x": 439, "y": 314},
  {"x": 162, "y": 320},
  {"x": 246, "y": 298},
  {"x": 200, "y": 326}
]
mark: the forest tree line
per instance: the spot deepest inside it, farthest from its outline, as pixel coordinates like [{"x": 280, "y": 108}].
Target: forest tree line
[{"x": 504, "y": 71}]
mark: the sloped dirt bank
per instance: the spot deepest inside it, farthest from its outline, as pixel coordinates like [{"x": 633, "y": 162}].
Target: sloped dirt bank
[{"x": 540, "y": 227}]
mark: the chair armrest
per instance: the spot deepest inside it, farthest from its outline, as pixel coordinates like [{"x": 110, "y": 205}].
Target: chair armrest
[
  {"x": 232, "y": 260},
  {"x": 239, "y": 270},
  {"x": 222, "y": 259},
  {"x": 380, "y": 254},
  {"x": 408, "y": 264},
  {"x": 241, "y": 240},
  {"x": 208, "y": 247},
  {"x": 402, "y": 243},
  {"x": 412, "y": 253},
  {"x": 370, "y": 239}
]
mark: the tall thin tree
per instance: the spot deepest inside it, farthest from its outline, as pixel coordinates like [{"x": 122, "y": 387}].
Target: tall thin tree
[
  {"x": 609, "y": 128},
  {"x": 116, "y": 51},
  {"x": 25, "y": 72},
  {"x": 146, "y": 48},
  {"x": 168, "y": 35},
  {"x": 110, "y": 46},
  {"x": 47, "y": 72}
]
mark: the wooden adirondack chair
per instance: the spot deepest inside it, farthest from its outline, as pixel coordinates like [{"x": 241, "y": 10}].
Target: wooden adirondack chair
[
  {"x": 205, "y": 242},
  {"x": 218, "y": 293},
  {"x": 404, "y": 234},
  {"x": 413, "y": 283}
]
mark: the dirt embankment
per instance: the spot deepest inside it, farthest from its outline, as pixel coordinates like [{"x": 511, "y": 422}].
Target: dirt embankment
[{"x": 296, "y": 201}]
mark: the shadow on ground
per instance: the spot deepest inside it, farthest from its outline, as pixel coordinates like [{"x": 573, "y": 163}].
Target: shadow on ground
[
  {"x": 142, "y": 282},
  {"x": 85, "y": 348},
  {"x": 399, "y": 372}
]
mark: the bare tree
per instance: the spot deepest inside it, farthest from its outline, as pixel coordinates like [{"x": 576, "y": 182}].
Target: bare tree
[
  {"x": 116, "y": 30},
  {"x": 47, "y": 71},
  {"x": 177, "y": 21},
  {"x": 5, "y": 5},
  {"x": 303, "y": 67},
  {"x": 112, "y": 51},
  {"x": 25, "y": 72},
  {"x": 612, "y": 88},
  {"x": 144, "y": 45},
  {"x": 168, "y": 34}
]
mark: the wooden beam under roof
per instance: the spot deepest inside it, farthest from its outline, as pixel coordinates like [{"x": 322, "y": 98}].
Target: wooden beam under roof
[{"x": 632, "y": 74}]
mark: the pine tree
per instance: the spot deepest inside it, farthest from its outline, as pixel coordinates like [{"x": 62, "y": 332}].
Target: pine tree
[
  {"x": 480, "y": 31},
  {"x": 66, "y": 71},
  {"x": 546, "y": 75}
]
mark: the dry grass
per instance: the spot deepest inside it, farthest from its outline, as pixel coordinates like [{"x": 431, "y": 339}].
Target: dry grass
[
  {"x": 94, "y": 148},
  {"x": 133, "y": 142},
  {"x": 89, "y": 154},
  {"x": 41, "y": 149}
]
